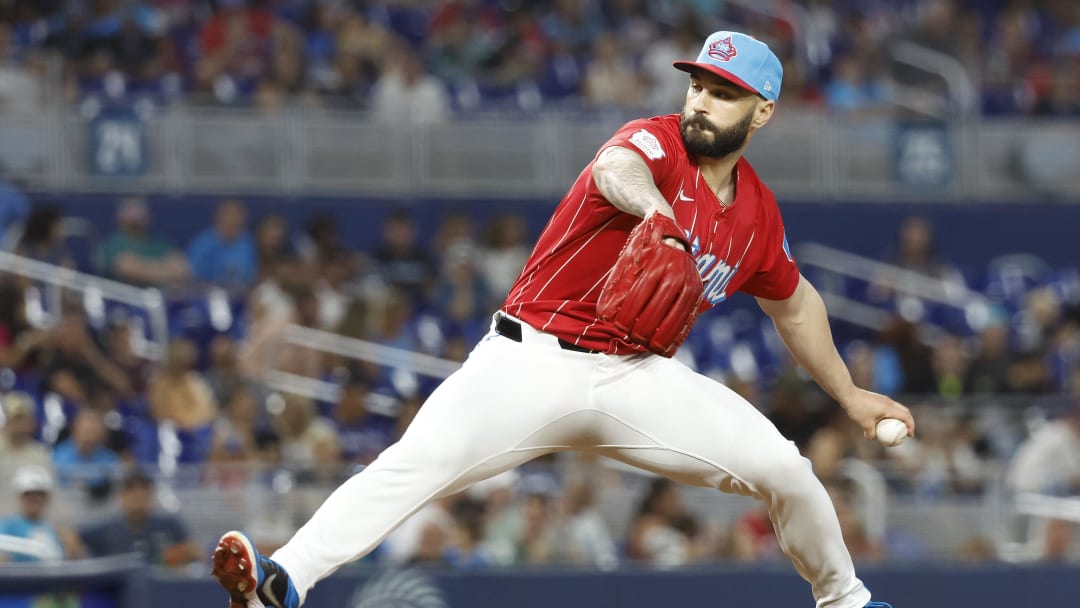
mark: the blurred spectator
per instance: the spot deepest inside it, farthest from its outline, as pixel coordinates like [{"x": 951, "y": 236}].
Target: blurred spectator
[
  {"x": 942, "y": 460},
  {"x": 321, "y": 240},
  {"x": 526, "y": 532},
  {"x": 332, "y": 53},
  {"x": 402, "y": 260},
  {"x": 536, "y": 543},
  {"x": 988, "y": 372},
  {"x": 463, "y": 39},
  {"x": 950, "y": 363},
  {"x": 43, "y": 238},
  {"x": 235, "y": 431},
  {"x": 454, "y": 232},
  {"x": 178, "y": 393},
  {"x": 827, "y": 449},
  {"x": 26, "y": 536},
  {"x": 753, "y": 538},
  {"x": 21, "y": 92},
  {"x": 309, "y": 443},
  {"x": 1038, "y": 320},
  {"x": 223, "y": 374},
  {"x": 851, "y": 88},
  {"x": 270, "y": 300},
  {"x": 917, "y": 251},
  {"x": 662, "y": 532},
  {"x": 83, "y": 460},
  {"x": 119, "y": 343},
  {"x": 134, "y": 255},
  {"x": 572, "y": 24},
  {"x": 873, "y": 368},
  {"x": 332, "y": 288},
  {"x": 266, "y": 350},
  {"x": 406, "y": 95},
  {"x": 225, "y": 253},
  {"x": 271, "y": 241},
  {"x": 505, "y": 249},
  {"x": 18, "y": 445},
  {"x": 361, "y": 48},
  {"x": 862, "y": 547},
  {"x": 18, "y": 342},
  {"x": 14, "y": 204},
  {"x": 795, "y": 407},
  {"x": 611, "y": 80},
  {"x": 900, "y": 343},
  {"x": 427, "y": 531},
  {"x": 667, "y": 87},
  {"x": 466, "y": 547},
  {"x": 160, "y": 539},
  {"x": 235, "y": 47},
  {"x": 461, "y": 295},
  {"x": 587, "y": 539},
  {"x": 74, "y": 367},
  {"x": 363, "y": 434},
  {"x": 1048, "y": 462}
]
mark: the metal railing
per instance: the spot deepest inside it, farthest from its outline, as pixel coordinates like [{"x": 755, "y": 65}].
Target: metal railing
[
  {"x": 801, "y": 154},
  {"x": 350, "y": 348},
  {"x": 963, "y": 94},
  {"x": 94, "y": 291},
  {"x": 900, "y": 281}
]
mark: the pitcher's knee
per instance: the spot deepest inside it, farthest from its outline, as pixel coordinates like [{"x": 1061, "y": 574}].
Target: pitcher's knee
[{"x": 789, "y": 474}]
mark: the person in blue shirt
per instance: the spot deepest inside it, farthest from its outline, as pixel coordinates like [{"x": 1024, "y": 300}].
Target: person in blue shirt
[
  {"x": 83, "y": 459},
  {"x": 224, "y": 254},
  {"x": 26, "y": 537}
]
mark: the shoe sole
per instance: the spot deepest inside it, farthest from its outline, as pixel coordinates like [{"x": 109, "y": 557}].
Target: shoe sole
[{"x": 235, "y": 569}]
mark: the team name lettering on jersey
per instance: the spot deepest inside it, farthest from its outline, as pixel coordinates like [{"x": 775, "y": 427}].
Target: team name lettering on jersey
[{"x": 716, "y": 274}]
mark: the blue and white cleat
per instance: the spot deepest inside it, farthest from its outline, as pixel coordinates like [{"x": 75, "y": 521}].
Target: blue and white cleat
[
  {"x": 251, "y": 579},
  {"x": 877, "y": 605}
]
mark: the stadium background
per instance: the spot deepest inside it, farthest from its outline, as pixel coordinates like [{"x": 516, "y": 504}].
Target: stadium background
[{"x": 394, "y": 160}]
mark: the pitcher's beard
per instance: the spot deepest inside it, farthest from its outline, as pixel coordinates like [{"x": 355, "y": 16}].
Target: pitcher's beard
[{"x": 702, "y": 138}]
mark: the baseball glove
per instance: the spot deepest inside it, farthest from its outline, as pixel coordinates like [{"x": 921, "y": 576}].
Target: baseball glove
[{"x": 653, "y": 293}]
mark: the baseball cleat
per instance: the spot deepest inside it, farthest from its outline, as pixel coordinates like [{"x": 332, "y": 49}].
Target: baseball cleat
[
  {"x": 251, "y": 579},
  {"x": 877, "y": 605}
]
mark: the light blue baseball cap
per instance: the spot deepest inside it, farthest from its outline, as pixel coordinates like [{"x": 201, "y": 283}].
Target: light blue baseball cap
[{"x": 744, "y": 60}]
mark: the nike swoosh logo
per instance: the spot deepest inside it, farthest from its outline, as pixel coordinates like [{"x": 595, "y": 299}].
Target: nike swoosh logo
[
  {"x": 268, "y": 593},
  {"x": 683, "y": 197}
]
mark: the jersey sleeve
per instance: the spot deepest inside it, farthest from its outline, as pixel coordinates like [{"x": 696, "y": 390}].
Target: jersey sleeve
[
  {"x": 778, "y": 275},
  {"x": 656, "y": 145}
]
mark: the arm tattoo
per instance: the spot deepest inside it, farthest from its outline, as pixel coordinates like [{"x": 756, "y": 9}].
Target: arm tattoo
[{"x": 626, "y": 182}]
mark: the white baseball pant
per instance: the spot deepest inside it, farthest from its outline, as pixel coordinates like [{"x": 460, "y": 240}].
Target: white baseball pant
[{"x": 511, "y": 402}]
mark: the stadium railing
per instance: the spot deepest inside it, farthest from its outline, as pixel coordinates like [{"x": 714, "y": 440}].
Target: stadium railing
[
  {"x": 804, "y": 154},
  {"x": 150, "y": 318}
]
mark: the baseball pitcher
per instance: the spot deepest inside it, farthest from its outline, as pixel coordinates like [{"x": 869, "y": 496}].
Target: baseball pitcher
[{"x": 668, "y": 220}]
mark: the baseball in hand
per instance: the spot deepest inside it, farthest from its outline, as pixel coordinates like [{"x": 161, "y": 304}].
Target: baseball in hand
[{"x": 891, "y": 432}]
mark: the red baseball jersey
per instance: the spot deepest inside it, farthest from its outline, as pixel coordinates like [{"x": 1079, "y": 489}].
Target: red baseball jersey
[{"x": 740, "y": 247}]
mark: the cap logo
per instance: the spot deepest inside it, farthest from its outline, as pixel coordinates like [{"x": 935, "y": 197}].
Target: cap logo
[{"x": 723, "y": 49}]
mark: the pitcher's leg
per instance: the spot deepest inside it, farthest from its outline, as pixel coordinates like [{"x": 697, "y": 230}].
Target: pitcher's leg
[
  {"x": 490, "y": 416},
  {"x": 668, "y": 419}
]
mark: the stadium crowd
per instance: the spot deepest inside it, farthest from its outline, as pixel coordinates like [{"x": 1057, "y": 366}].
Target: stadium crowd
[
  {"x": 83, "y": 406},
  {"x": 411, "y": 60},
  {"x": 86, "y": 412}
]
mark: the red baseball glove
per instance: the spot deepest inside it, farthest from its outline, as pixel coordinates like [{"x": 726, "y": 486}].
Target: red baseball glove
[{"x": 654, "y": 291}]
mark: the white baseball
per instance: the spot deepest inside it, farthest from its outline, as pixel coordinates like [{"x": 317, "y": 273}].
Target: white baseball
[{"x": 891, "y": 432}]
